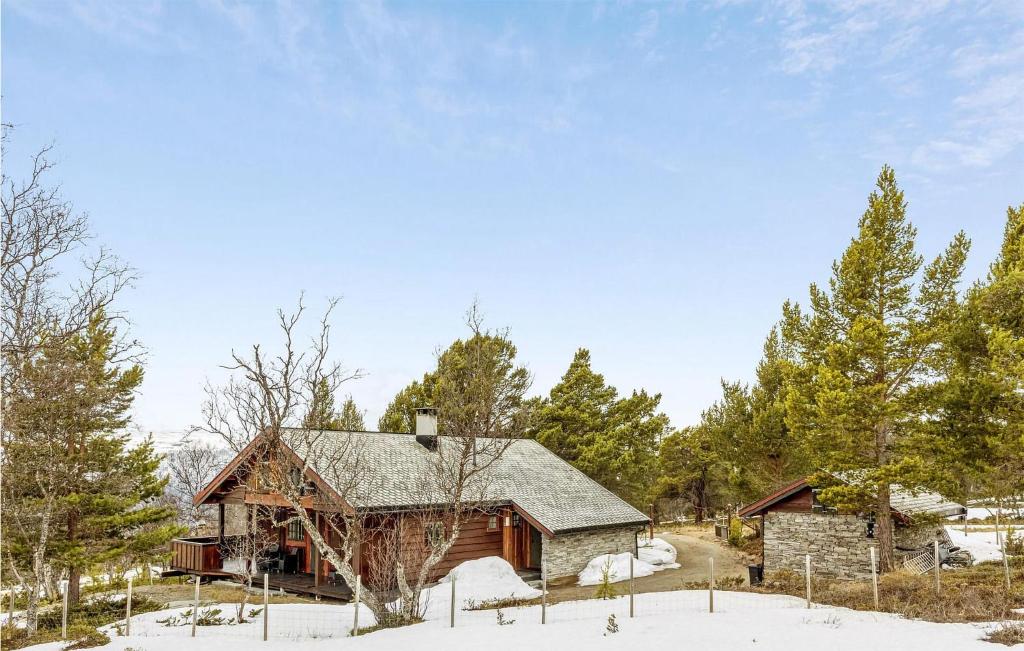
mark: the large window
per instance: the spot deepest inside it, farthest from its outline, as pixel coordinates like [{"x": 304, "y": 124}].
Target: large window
[
  {"x": 492, "y": 523},
  {"x": 433, "y": 534},
  {"x": 295, "y": 531}
]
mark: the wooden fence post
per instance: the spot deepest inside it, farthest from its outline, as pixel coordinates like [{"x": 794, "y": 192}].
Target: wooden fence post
[
  {"x": 874, "y": 577},
  {"x": 711, "y": 584},
  {"x": 10, "y": 607},
  {"x": 453, "y": 602},
  {"x": 544, "y": 592},
  {"x": 631, "y": 585},
  {"x": 128, "y": 611},
  {"x": 195, "y": 607},
  {"x": 355, "y": 617},
  {"x": 1001, "y": 541},
  {"x": 266, "y": 603},
  {"x": 64, "y": 615},
  {"x": 807, "y": 573},
  {"x": 938, "y": 567}
]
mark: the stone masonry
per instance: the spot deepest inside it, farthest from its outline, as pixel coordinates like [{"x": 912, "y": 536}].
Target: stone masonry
[
  {"x": 838, "y": 544},
  {"x": 569, "y": 553}
]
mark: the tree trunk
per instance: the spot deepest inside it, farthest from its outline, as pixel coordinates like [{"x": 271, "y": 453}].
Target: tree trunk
[
  {"x": 74, "y": 589},
  {"x": 884, "y": 530}
]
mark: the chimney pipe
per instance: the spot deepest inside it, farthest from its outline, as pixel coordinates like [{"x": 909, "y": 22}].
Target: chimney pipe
[{"x": 426, "y": 427}]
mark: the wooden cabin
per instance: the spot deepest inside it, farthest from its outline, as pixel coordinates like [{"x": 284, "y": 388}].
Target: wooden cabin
[{"x": 534, "y": 508}]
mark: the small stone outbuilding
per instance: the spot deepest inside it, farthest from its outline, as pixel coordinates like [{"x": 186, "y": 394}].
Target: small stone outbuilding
[{"x": 795, "y": 524}]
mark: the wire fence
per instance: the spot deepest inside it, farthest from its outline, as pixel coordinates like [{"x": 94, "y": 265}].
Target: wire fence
[{"x": 262, "y": 617}]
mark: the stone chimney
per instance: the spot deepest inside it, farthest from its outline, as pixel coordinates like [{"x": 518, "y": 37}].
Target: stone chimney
[{"x": 426, "y": 427}]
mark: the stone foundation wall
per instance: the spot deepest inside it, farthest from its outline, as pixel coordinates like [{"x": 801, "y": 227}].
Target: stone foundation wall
[
  {"x": 916, "y": 536},
  {"x": 569, "y": 553},
  {"x": 838, "y": 544}
]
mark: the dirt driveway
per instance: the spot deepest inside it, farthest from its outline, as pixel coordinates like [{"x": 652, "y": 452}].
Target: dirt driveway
[{"x": 694, "y": 545}]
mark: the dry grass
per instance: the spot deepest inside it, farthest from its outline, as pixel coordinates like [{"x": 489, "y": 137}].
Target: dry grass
[
  {"x": 1008, "y": 634},
  {"x": 974, "y": 594},
  {"x": 214, "y": 593}
]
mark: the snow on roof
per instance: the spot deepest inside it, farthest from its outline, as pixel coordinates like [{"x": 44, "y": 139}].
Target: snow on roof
[{"x": 396, "y": 472}]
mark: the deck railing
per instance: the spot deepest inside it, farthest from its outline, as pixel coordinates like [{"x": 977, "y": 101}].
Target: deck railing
[{"x": 198, "y": 554}]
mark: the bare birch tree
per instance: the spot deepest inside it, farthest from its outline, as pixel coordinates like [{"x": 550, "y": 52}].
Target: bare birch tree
[{"x": 192, "y": 465}]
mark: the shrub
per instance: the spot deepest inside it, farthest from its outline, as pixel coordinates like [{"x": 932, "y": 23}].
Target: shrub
[
  {"x": 1014, "y": 544},
  {"x": 612, "y": 626},
  {"x": 502, "y": 602},
  {"x": 606, "y": 589},
  {"x": 96, "y": 612},
  {"x": 1008, "y": 634},
  {"x": 503, "y": 621},
  {"x": 735, "y": 532}
]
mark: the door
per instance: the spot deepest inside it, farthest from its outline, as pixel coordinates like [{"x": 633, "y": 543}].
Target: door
[{"x": 536, "y": 548}]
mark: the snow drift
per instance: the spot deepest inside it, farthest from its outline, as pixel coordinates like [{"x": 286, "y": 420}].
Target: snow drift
[
  {"x": 477, "y": 581},
  {"x": 659, "y": 553},
  {"x": 618, "y": 569}
]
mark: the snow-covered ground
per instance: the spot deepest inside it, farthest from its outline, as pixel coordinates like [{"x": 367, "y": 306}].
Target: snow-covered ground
[
  {"x": 665, "y": 620},
  {"x": 678, "y": 619},
  {"x": 981, "y": 544}
]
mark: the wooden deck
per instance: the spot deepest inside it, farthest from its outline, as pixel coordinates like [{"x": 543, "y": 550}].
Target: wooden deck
[{"x": 303, "y": 584}]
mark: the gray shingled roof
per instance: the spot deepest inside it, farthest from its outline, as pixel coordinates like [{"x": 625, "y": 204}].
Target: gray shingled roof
[
  {"x": 922, "y": 501},
  {"x": 395, "y": 471}
]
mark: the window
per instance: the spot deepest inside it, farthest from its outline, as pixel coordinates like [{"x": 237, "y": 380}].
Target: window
[
  {"x": 295, "y": 531},
  {"x": 433, "y": 534},
  {"x": 492, "y": 523}
]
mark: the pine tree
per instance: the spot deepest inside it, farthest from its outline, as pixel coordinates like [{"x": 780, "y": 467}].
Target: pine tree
[
  {"x": 866, "y": 345},
  {"x": 1002, "y": 308},
  {"x": 476, "y": 386},
  {"x": 613, "y": 440},
  {"x": 400, "y": 414},
  {"x": 350, "y": 419},
  {"x": 320, "y": 413},
  {"x": 105, "y": 492},
  {"x": 766, "y": 451},
  {"x": 575, "y": 414},
  {"x": 689, "y": 466}
]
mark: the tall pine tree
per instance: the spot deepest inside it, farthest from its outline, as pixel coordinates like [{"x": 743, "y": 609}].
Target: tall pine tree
[
  {"x": 867, "y": 343},
  {"x": 613, "y": 440}
]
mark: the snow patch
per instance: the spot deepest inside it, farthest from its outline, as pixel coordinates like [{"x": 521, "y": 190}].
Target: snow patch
[
  {"x": 982, "y": 544},
  {"x": 658, "y": 552},
  {"x": 477, "y": 581},
  {"x": 618, "y": 569}
]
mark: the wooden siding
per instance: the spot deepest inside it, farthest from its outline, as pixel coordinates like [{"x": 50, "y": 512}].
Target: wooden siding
[
  {"x": 801, "y": 501},
  {"x": 196, "y": 555}
]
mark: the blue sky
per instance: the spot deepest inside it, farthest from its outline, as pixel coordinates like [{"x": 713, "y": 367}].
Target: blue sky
[{"x": 648, "y": 180}]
